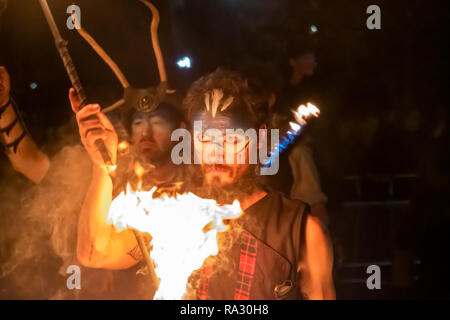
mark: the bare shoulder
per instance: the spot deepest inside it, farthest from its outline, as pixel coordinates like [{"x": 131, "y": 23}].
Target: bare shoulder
[
  {"x": 317, "y": 262},
  {"x": 316, "y": 233},
  {"x": 318, "y": 249}
]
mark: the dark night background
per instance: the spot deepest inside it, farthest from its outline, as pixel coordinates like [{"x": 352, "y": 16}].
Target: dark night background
[{"x": 381, "y": 144}]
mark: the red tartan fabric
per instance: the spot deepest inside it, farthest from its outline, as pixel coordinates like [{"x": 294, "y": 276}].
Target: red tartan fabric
[
  {"x": 271, "y": 242},
  {"x": 202, "y": 290},
  {"x": 246, "y": 272},
  {"x": 247, "y": 264}
]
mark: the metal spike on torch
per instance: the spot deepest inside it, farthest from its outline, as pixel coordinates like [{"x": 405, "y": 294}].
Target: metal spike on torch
[{"x": 61, "y": 45}]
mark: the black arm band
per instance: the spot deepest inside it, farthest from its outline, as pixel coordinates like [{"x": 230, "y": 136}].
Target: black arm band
[
  {"x": 16, "y": 142},
  {"x": 4, "y": 107},
  {"x": 9, "y": 127}
]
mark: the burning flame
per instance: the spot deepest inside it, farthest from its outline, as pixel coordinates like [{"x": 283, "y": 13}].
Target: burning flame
[
  {"x": 303, "y": 112},
  {"x": 180, "y": 242},
  {"x": 295, "y": 126}
]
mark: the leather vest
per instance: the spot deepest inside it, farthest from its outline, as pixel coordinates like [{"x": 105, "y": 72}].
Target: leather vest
[{"x": 261, "y": 261}]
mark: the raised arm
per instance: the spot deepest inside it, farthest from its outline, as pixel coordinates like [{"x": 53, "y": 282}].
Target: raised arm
[
  {"x": 21, "y": 150},
  {"x": 99, "y": 244}
]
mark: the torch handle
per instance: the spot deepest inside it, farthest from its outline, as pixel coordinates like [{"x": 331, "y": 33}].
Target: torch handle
[
  {"x": 104, "y": 152},
  {"x": 76, "y": 83},
  {"x": 147, "y": 259},
  {"x": 71, "y": 71}
]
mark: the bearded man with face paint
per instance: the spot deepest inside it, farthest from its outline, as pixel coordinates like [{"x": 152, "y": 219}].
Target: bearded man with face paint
[{"x": 275, "y": 250}]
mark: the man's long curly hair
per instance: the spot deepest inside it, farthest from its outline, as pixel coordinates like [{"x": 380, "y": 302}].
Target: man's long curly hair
[{"x": 247, "y": 105}]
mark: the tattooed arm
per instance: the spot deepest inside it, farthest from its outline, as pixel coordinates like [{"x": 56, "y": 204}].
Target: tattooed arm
[
  {"x": 99, "y": 244},
  {"x": 21, "y": 150}
]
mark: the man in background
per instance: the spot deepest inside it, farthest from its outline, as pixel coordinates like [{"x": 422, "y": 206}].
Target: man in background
[{"x": 298, "y": 177}]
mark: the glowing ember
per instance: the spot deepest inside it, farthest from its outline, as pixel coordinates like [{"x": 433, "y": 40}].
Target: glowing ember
[
  {"x": 123, "y": 147},
  {"x": 111, "y": 168},
  {"x": 139, "y": 170},
  {"x": 177, "y": 225}
]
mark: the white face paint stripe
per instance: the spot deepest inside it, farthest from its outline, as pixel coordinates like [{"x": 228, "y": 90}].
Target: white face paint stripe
[
  {"x": 207, "y": 101},
  {"x": 217, "y": 96},
  {"x": 214, "y": 103},
  {"x": 227, "y": 103}
]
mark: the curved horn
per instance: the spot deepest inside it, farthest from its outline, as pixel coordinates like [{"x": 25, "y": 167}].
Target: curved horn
[
  {"x": 110, "y": 62},
  {"x": 155, "y": 40}
]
